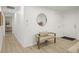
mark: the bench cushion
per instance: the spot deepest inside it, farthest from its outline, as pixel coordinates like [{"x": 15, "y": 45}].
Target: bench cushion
[
  {"x": 46, "y": 37},
  {"x": 43, "y": 33}
]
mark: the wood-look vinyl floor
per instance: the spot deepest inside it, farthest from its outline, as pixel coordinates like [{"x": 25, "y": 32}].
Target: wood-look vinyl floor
[{"x": 11, "y": 45}]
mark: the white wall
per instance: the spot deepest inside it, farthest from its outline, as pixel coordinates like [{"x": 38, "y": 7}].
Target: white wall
[
  {"x": 3, "y": 27},
  {"x": 1, "y": 37},
  {"x": 18, "y": 25},
  {"x": 71, "y": 24},
  {"x": 25, "y": 25},
  {"x": 1, "y": 34}
]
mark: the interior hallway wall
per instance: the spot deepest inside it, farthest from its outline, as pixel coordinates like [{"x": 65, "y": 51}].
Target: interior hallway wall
[
  {"x": 1, "y": 30},
  {"x": 17, "y": 25},
  {"x": 71, "y": 24},
  {"x": 25, "y": 25}
]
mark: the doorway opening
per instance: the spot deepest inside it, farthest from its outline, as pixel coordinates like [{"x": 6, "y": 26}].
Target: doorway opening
[{"x": 8, "y": 24}]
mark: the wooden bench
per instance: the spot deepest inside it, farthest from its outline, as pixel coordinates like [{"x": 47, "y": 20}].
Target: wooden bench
[{"x": 44, "y": 36}]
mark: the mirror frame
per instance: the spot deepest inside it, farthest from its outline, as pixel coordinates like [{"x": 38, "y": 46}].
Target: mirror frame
[{"x": 41, "y": 19}]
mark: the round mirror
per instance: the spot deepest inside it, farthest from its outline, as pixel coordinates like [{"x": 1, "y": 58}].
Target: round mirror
[{"x": 41, "y": 19}]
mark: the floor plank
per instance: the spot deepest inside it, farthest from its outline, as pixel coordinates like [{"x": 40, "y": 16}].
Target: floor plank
[{"x": 11, "y": 45}]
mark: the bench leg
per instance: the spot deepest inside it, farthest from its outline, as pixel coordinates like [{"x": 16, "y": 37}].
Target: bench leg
[
  {"x": 55, "y": 38},
  {"x": 38, "y": 43}
]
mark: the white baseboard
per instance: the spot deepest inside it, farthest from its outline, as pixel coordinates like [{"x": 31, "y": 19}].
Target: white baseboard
[{"x": 30, "y": 44}]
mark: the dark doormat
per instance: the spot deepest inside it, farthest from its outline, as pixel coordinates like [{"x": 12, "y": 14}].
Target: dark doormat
[{"x": 68, "y": 38}]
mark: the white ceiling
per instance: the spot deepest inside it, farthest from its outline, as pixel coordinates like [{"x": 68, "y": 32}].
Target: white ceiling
[
  {"x": 5, "y": 9},
  {"x": 63, "y": 8},
  {"x": 8, "y": 11},
  {"x": 56, "y": 8}
]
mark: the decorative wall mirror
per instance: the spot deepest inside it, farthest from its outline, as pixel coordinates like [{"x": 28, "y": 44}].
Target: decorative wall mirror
[{"x": 41, "y": 19}]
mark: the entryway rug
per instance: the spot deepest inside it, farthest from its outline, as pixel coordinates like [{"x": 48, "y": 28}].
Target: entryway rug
[{"x": 68, "y": 38}]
